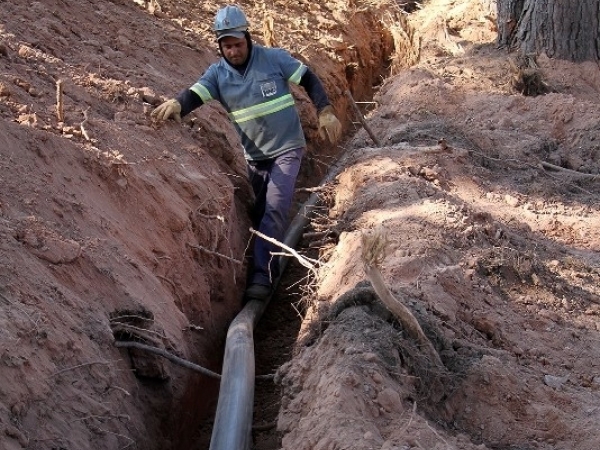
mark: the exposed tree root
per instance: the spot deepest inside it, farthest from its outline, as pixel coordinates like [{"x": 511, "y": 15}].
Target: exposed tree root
[
  {"x": 373, "y": 253},
  {"x": 528, "y": 79},
  {"x": 165, "y": 354}
]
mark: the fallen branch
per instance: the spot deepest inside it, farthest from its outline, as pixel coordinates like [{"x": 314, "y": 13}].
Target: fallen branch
[
  {"x": 169, "y": 356},
  {"x": 362, "y": 119},
  {"x": 575, "y": 173},
  {"x": 373, "y": 253},
  {"x": 542, "y": 166},
  {"x": 306, "y": 262}
]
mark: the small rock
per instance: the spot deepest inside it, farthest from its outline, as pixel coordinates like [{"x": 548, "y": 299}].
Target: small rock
[
  {"x": 554, "y": 381},
  {"x": 15, "y": 433},
  {"x": 511, "y": 201},
  {"x": 390, "y": 400},
  {"x": 377, "y": 378},
  {"x": 370, "y": 357}
]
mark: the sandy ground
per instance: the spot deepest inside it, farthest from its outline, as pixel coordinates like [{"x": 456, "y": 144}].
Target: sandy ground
[{"x": 112, "y": 229}]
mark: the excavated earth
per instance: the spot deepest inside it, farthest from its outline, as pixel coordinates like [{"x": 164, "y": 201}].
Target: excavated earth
[{"x": 115, "y": 229}]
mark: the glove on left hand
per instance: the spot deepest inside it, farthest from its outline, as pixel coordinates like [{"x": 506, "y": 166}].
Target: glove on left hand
[{"x": 329, "y": 125}]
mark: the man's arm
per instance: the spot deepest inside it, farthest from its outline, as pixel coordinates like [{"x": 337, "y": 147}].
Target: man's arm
[
  {"x": 329, "y": 125},
  {"x": 314, "y": 88},
  {"x": 189, "y": 101}
]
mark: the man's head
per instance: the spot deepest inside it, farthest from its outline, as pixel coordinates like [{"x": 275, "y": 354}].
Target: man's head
[{"x": 231, "y": 29}]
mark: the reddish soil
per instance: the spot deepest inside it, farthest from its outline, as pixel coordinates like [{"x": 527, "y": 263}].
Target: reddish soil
[{"x": 113, "y": 228}]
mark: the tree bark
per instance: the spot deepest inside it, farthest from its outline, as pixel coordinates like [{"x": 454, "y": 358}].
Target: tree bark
[{"x": 564, "y": 29}]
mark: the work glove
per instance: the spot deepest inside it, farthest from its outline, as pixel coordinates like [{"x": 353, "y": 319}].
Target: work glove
[
  {"x": 329, "y": 125},
  {"x": 170, "y": 108}
]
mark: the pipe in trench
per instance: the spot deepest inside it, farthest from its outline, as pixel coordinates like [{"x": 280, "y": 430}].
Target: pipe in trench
[{"x": 232, "y": 429}]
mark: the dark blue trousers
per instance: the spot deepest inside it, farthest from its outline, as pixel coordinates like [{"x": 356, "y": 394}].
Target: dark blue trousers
[{"x": 273, "y": 183}]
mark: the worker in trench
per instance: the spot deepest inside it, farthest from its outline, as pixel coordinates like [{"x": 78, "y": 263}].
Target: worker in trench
[{"x": 252, "y": 82}]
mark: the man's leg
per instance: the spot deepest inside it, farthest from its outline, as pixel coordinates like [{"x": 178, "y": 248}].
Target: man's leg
[{"x": 278, "y": 200}]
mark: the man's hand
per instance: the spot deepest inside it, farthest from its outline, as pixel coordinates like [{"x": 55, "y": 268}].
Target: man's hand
[
  {"x": 329, "y": 125},
  {"x": 170, "y": 108}
]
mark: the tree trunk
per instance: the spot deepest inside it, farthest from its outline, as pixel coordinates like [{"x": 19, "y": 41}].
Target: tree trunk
[{"x": 565, "y": 29}]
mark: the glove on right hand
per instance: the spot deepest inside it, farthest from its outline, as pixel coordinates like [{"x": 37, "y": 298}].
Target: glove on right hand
[
  {"x": 170, "y": 108},
  {"x": 329, "y": 125}
]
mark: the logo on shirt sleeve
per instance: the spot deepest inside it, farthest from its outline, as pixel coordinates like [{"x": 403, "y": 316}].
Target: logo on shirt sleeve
[{"x": 268, "y": 88}]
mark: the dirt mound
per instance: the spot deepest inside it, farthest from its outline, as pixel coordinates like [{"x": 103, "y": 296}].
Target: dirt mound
[{"x": 488, "y": 199}]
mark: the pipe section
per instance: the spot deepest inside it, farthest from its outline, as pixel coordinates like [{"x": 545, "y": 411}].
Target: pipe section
[{"x": 232, "y": 428}]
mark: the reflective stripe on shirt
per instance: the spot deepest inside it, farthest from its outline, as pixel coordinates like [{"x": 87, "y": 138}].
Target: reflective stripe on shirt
[
  {"x": 262, "y": 109},
  {"x": 295, "y": 78},
  {"x": 202, "y": 92}
]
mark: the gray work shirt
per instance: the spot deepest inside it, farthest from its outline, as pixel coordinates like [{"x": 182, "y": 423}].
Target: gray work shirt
[{"x": 259, "y": 101}]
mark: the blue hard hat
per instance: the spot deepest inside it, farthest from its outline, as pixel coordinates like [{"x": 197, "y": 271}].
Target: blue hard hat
[{"x": 230, "y": 21}]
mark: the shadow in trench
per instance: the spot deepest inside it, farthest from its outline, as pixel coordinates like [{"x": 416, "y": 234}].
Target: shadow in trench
[{"x": 274, "y": 340}]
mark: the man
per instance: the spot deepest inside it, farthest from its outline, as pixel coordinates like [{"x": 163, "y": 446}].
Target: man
[{"x": 252, "y": 83}]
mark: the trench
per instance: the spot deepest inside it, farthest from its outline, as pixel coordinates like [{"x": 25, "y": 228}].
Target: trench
[
  {"x": 273, "y": 336},
  {"x": 277, "y": 328}
]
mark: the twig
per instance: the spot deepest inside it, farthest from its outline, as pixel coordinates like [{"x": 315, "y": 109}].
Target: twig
[
  {"x": 103, "y": 416},
  {"x": 312, "y": 189},
  {"x": 67, "y": 369},
  {"x": 557, "y": 179},
  {"x": 119, "y": 388},
  {"x": 169, "y": 356},
  {"x": 412, "y": 415},
  {"x": 310, "y": 260},
  {"x": 204, "y": 249},
  {"x": 3, "y": 297},
  {"x": 436, "y": 433},
  {"x": 362, "y": 119},
  {"x": 173, "y": 286},
  {"x": 210, "y": 216},
  {"x": 301, "y": 259},
  {"x": 85, "y": 119},
  {"x": 60, "y": 114},
  {"x": 118, "y": 319},
  {"x": 317, "y": 234},
  {"x": 129, "y": 327},
  {"x": 541, "y": 166},
  {"x": 131, "y": 441}
]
